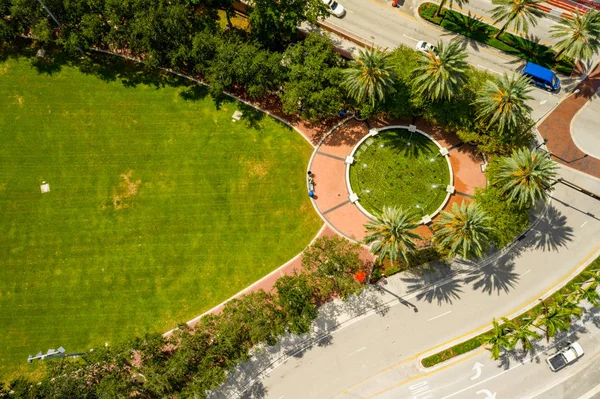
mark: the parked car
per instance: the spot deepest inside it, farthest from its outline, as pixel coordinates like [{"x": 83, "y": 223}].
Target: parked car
[
  {"x": 541, "y": 77},
  {"x": 425, "y": 47},
  {"x": 565, "y": 356},
  {"x": 335, "y": 8}
]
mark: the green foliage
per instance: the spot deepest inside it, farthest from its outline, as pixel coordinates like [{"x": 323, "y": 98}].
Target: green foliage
[
  {"x": 508, "y": 219},
  {"x": 525, "y": 177},
  {"x": 275, "y": 23},
  {"x": 441, "y": 75},
  {"x": 502, "y": 102},
  {"x": 579, "y": 35},
  {"x": 477, "y": 30},
  {"x": 332, "y": 263},
  {"x": 370, "y": 78},
  {"x": 296, "y": 298},
  {"x": 497, "y": 338},
  {"x": 312, "y": 78},
  {"x": 392, "y": 234},
  {"x": 403, "y": 104},
  {"x": 464, "y": 231},
  {"x": 516, "y": 13}
]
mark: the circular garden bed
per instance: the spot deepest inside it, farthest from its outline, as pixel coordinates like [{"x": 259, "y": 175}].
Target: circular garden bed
[{"x": 398, "y": 168}]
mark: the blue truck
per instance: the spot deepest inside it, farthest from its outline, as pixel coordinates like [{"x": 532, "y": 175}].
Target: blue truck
[{"x": 541, "y": 77}]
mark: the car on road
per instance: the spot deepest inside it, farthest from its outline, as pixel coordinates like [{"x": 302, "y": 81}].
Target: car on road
[
  {"x": 565, "y": 356},
  {"x": 335, "y": 8},
  {"x": 425, "y": 47},
  {"x": 541, "y": 77}
]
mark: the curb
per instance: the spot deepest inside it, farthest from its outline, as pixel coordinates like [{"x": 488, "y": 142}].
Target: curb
[{"x": 529, "y": 305}]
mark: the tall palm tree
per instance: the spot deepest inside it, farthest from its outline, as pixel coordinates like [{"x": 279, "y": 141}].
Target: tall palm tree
[
  {"x": 553, "y": 319},
  {"x": 439, "y": 75},
  {"x": 460, "y": 3},
  {"x": 370, "y": 76},
  {"x": 391, "y": 234},
  {"x": 498, "y": 338},
  {"x": 464, "y": 231},
  {"x": 525, "y": 176},
  {"x": 589, "y": 294},
  {"x": 580, "y": 36},
  {"x": 521, "y": 333},
  {"x": 517, "y": 13},
  {"x": 502, "y": 101}
]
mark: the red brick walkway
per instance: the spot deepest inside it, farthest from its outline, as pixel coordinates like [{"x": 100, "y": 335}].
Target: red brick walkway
[
  {"x": 557, "y": 128},
  {"x": 332, "y": 196}
]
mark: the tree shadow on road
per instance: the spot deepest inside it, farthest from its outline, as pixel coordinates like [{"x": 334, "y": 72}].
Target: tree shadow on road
[
  {"x": 552, "y": 231},
  {"x": 496, "y": 276}
]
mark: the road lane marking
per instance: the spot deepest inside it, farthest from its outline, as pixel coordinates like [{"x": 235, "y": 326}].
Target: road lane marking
[
  {"x": 356, "y": 351},
  {"x": 491, "y": 70},
  {"x": 584, "y": 223},
  {"x": 411, "y": 38},
  {"x": 443, "y": 314},
  {"x": 487, "y": 393},
  {"x": 590, "y": 394},
  {"x": 484, "y": 327},
  {"x": 477, "y": 367},
  {"x": 522, "y": 274}
]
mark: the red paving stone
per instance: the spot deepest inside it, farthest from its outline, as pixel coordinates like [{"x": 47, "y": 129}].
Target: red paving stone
[
  {"x": 557, "y": 128},
  {"x": 330, "y": 174}
]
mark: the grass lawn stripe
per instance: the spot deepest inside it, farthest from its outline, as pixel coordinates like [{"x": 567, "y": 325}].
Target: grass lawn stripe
[{"x": 207, "y": 207}]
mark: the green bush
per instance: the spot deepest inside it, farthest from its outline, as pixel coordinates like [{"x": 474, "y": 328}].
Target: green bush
[{"x": 477, "y": 30}]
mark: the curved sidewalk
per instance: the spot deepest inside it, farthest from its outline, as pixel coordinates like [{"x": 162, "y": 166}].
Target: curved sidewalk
[
  {"x": 332, "y": 196},
  {"x": 556, "y": 128}
]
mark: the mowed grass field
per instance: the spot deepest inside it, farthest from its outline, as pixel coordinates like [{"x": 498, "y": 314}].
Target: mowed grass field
[{"x": 160, "y": 206}]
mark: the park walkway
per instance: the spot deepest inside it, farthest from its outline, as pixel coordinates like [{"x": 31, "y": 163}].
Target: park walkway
[
  {"x": 556, "y": 128},
  {"x": 328, "y": 166}
]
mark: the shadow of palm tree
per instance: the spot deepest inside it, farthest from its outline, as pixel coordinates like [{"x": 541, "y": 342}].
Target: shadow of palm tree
[
  {"x": 411, "y": 144},
  {"x": 496, "y": 276},
  {"x": 552, "y": 231}
]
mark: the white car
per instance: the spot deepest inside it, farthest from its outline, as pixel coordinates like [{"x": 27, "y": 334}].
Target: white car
[
  {"x": 425, "y": 47},
  {"x": 335, "y": 8}
]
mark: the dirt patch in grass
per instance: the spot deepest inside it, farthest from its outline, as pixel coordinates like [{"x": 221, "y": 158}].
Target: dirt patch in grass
[
  {"x": 258, "y": 169},
  {"x": 19, "y": 99},
  {"x": 127, "y": 189}
]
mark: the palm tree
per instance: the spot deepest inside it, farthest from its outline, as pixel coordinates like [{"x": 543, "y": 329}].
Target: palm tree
[
  {"x": 370, "y": 76},
  {"x": 439, "y": 76},
  {"x": 460, "y": 3},
  {"x": 553, "y": 319},
  {"x": 521, "y": 333},
  {"x": 391, "y": 234},
  {"x": 525, "y": 176},
  {"x": 589, "y": 294},
  {"x": 517, "y": 13},
  {"x": 580, "y": 36},
  {"x": 464, "y": 231},
  {"x": 502, "y": 101},
  {"x": 498, "y": 338}
]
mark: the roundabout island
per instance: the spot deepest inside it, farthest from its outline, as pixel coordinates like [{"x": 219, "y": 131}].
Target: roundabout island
[{"x": 401, "y": 167}]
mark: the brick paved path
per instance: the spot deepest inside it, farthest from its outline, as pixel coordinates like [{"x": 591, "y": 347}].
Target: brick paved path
[
  {"x": 557, "y": 128},
  {"x": 332, "y": 196}
]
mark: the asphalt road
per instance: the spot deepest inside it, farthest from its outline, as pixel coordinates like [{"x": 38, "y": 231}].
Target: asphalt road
[
  {"x": 377, "y": 351},
  {"x": 376, "y": 21}
]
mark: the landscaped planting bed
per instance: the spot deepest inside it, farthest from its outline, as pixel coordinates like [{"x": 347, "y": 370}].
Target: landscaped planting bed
[
  {"x": 400, "y": 169},
  {"x": 474, "y": 29},
  {"x": 160, "y": 207}
]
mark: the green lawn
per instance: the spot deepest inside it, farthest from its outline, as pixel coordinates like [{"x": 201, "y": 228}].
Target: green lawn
[
  {"x": 160, "y": 206},
  {"x": 389, "y": 172}
]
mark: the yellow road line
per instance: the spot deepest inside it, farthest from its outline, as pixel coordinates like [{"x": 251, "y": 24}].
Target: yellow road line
[
  {"x": 472, "y": 332},
  {"x": 416, "y": 377}
]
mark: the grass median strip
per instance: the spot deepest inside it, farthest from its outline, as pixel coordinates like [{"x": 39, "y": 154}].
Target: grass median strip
[
  {"x": 531, "y": 314},
  {"x": 473, "y": 28}
]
